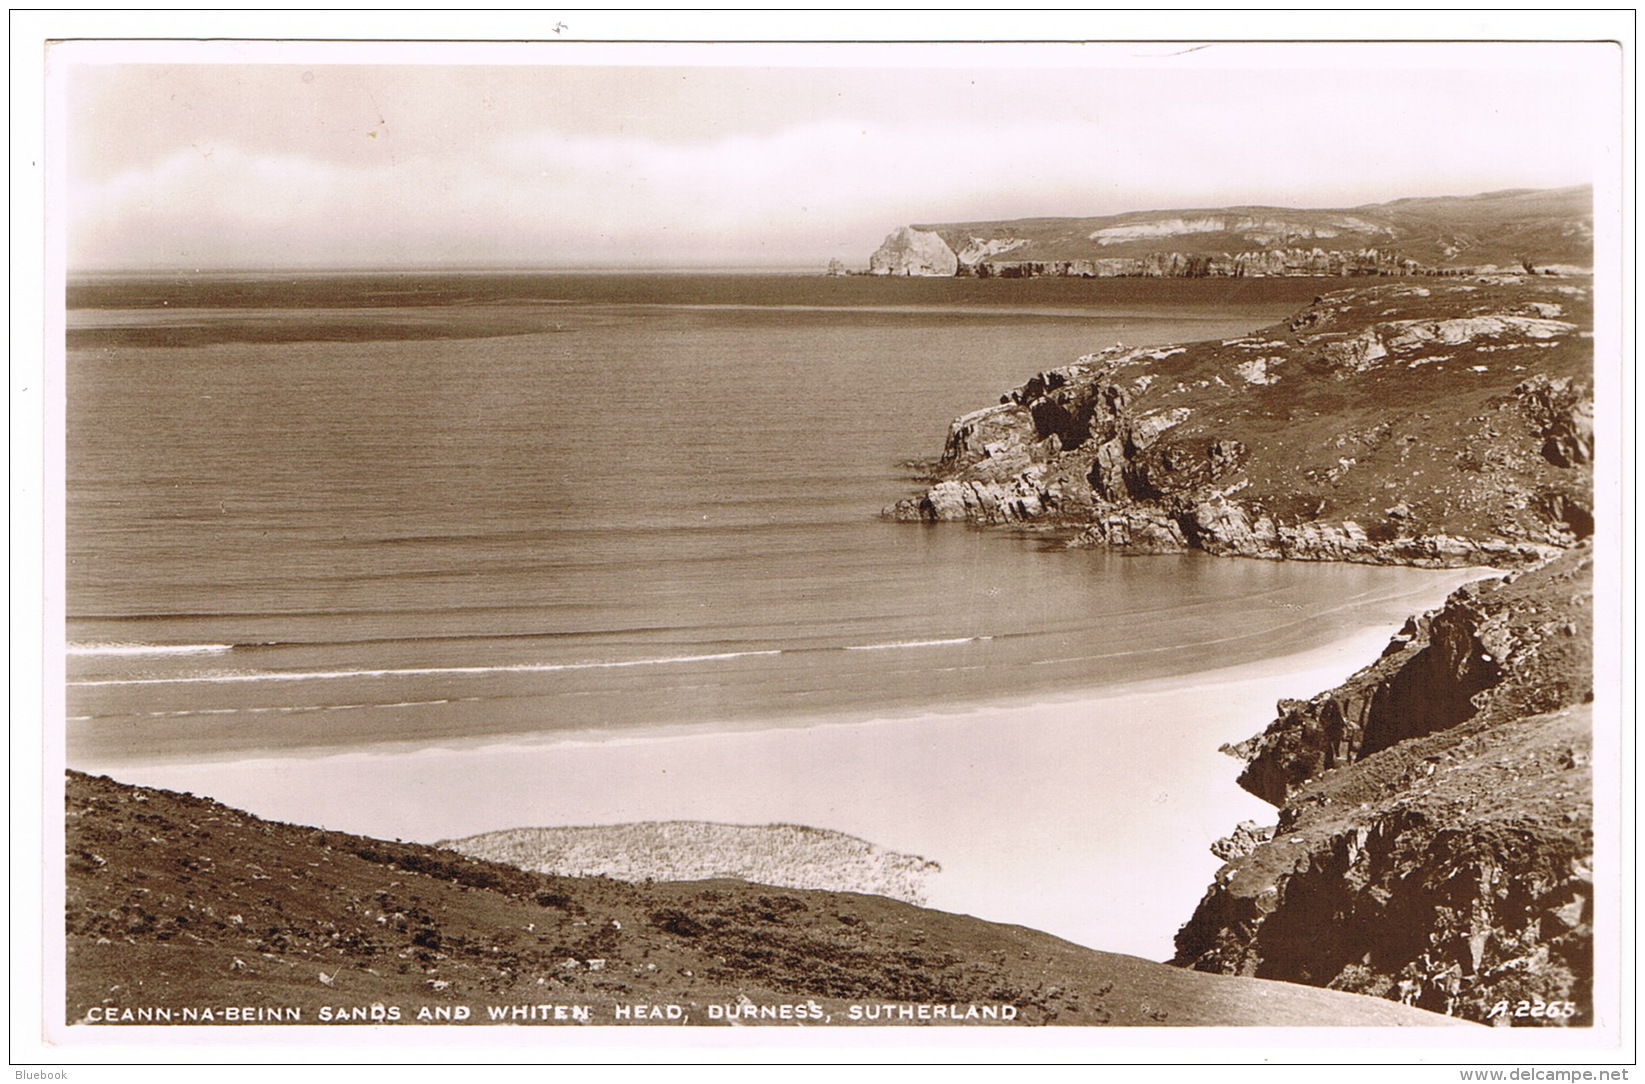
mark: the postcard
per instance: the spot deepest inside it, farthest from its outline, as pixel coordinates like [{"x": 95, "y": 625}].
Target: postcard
[{"x": 600, "y": 546}]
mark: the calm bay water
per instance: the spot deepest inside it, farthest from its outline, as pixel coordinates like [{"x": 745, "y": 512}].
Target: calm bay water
[{"x": 331, "y": 512}]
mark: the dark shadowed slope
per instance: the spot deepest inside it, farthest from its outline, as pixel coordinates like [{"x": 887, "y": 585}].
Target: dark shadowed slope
[{"x": 176, "y": 902}]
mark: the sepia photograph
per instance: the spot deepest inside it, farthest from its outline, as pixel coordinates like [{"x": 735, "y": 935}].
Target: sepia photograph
[{"x": 1073, "y": 545}]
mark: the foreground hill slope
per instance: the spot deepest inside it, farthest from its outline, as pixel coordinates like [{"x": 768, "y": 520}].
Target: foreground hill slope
[
  {"x": 1435, "y": 838},
  {"x": 1490, "y": 231},
  {"x": 176, "y": 902},
  {"x": 1446, "y": 423}
]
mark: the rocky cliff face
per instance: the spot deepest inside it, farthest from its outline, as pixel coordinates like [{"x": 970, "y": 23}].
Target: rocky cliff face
[
  {"x": 1237, "y": 264},
  {"x": 1435, "y": 835},
  {"x": 1496, "y": 650},
  {"x": 1434, "y": 425},
  {"x": 911, "y": 251}
]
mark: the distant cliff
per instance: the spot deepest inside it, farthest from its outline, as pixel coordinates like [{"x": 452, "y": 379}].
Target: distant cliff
[
  {"x": 1443, "y": 424},
  {"x": 1494, "y": 231}
]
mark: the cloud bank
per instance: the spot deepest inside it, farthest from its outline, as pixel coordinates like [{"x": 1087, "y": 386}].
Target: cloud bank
[{"x": 228, "y": 166}]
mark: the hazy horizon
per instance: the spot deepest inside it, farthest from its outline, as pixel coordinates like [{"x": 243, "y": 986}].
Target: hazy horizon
[
  {"x": 191, "y": 160},
  {"x": 704, "y": 268}
]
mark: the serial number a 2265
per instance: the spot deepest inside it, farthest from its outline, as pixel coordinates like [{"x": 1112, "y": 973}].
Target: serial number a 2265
[{"x": 1535, "y": 1009}]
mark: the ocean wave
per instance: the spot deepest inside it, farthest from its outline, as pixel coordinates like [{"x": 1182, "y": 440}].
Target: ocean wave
[
  {"x": 129, "y": 649},
  {"x": 243, "y": 677},
  {"x": 900, "y": 644},
  {"x": 418, "y": 671},
  {"x": 278, "y": 709}
]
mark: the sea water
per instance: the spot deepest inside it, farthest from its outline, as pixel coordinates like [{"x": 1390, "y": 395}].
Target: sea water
[{"x": 336, "y": 511}]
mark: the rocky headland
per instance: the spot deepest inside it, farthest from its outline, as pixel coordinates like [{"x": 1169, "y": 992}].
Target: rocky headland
[
  {"x": 1434, "y": 837},
  {"x": 1441, "y": 424},
  {"x": 1516, "y": 230}
]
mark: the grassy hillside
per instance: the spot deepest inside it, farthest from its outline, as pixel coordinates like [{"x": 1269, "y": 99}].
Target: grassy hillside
[{"x": 178, "y": 903}]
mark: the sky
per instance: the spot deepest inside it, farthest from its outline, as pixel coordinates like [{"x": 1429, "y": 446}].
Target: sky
[{"x": 198, "y": 155}]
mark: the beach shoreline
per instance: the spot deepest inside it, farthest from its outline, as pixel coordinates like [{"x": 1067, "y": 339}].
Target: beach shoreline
[
  {"x": 1085, "y": 815},
  {"x": 1359, "y": 614}
]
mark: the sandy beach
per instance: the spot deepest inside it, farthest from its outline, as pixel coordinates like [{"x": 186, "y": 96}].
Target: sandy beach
[{"x": 1088, "y": 817}]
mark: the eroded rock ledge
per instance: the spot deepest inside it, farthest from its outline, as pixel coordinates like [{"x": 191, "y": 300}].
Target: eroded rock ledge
[
  {"x": 1435, "y": 835},
  {"x": 1449, "y": 424}
]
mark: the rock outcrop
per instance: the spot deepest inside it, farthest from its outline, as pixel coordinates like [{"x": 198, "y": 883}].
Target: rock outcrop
[
  {"x": 1448, "y": 424},
  {"x": 1497, "y": 649},
  {"x": 1435, "y": 836},
  {"x": 781, "y": 855},
  {"x": 912, "y": 251}
]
